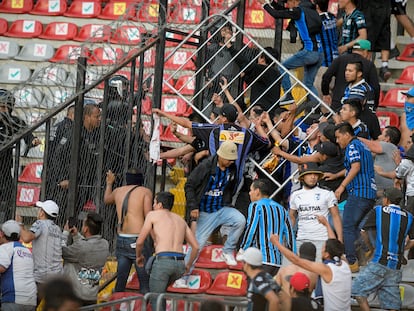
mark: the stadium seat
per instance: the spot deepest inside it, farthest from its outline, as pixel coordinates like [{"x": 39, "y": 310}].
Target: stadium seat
[
  {"x": 28, "y": 97},
  {"x": 147, "y": 12},
  {"x": 69, "y": 53},
  {"x": 14, "y": 73},
  {"x": 185, "y": 14},
  {"x": 8, "y": 49},
  {"x": 118, "y": 9},
  {"x": 394, "y": 98},
  {"x": 16, "y": 6},
  {"x": 135, "y": 305},
  {"x": 174, "y": 105},
  {"x": 386, "y": 118},
  {"x": 198, "y": 282},
  {"x": 258, "y": 18},
  {"x": 229, "y": 283},
  {"x": 133, "y": 282},
  {"x": 3, "y": 26},
  {"x": 59, "y": 31},
  {"x": 36, "y": 52},
  {"x": 83, "y": 9},
  {"x": 27, "y": 195},
  {"x": 407, "y": 76},
  {"x": 146, "y": 105},
  {"x": 127, "y": 34},
  {"x": 165, "y": 88},
  {"x": 179, "y": 38},
  {"x": 106, "y": 56},
  {"x": 49, "y": 7},
  {"x": 180, "y": 60},
  {"x": 185, "y": 85},
  {"x": 211, "y": 258},
  {"x": 149, "y": 57},
  {"x": 407, "y": 54},
  {"x": 32, "y": 173},
  {"x": 94, "y": 33},
  {"x": 24, "y": 28},
  {"x": 167, "y": 135},
  {"x": 55, "y": 98},
  {"x": 51, "y": 75}
]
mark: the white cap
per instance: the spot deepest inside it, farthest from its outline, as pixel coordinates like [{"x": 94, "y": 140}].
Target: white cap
[
  {"x": 50, "y": 207},
  {"x": 253, "y": 256},
  {"x": 10, "y": 227}
]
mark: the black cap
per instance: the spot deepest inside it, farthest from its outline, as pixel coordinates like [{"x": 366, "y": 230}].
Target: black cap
[
  {"x": 309, "y": 168},
  {"x": 393, "y": 194},
  {"x": 230, "y": 112},
  {"x": 328, "y": 130},
  {"x": 328, "y": 148}
]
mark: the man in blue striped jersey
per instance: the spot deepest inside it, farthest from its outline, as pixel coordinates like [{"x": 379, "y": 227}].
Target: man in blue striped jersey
[
  {"x": 360, "y": 184},
  {"x": 266, "y": 217},
  {"x": 383, "y": 274}
]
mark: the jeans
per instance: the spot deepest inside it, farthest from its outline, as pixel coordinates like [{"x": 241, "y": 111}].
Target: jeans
[
  {"x": 355, "y": 210},
  {"x": 310, "y": 61},
  {"x": 126, "y": 257},
  {"x": 5, "y": 306},
  {"x": 165, "y": 271}
]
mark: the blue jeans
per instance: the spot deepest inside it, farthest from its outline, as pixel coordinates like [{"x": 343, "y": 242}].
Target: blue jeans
[
  {"x": 355, "y": 210},
  {"x": 126, "y": 257},
  {"x": 310, "y": 61},
  {"x": 165, "y": 271}
]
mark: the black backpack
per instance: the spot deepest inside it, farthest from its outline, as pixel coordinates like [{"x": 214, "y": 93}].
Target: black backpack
[{"x": 313, "y": 20}]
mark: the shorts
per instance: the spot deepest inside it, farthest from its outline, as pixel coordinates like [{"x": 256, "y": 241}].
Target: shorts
[
  {"x": 378, "y": 26},
  {"x": 398, "y": 7},
  {"x": 378, "y": 278}
]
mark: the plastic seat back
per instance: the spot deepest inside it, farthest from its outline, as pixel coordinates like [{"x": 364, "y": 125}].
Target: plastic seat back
[
  {"x": 36, "y": 52},
  {"x": 27, "y": 195},
  {"x": 135, "y": 305},
  {"x": 83, "y": 9},
  {"x": 51, "y": 75},
  {"x": 387, "y": 118},
  {"x": 258, "y": 18},
  {"x": 185, "y": 85},
  {"x": 14, "y": 73},
  {"x": 211, "y": 258},
  {"x": 394, "y": 98},
  {"x": 186, "y": 14},
  {"x": 94, "y": 33},
  {"x": 3, "y": 26},
  {"x": 106, "y": 56},
  {"x": 32, "y": 173},
  {"x": 118, "y": 9},
  {"x": 165, "y": 88},
  {"x": 407, "y": 76},
  {"x": 55, "y": 98},
  {"x": 8, "y": 49},
  {"x": 24, "y": 28},
  {"x": 407, "y": 54},
  {"x": 147, "y": 12},
  {"x": 127, "y": 34},
  {"x": 167, "y": 134},
  {"x": 59, "y": 31},
  {"x": 69, "y": 53},
  {"x": 174, "y": 105},
  {"x": 229, "y": 283},
  {"x": 49, "y": 7},
  {"x": 146, "y": 105},
  {"x": 28, "y": 97},
  {"x": 16, "y": 6},
  {"x": 198, "y": 282},
  {"x": 182, "y": 60}
]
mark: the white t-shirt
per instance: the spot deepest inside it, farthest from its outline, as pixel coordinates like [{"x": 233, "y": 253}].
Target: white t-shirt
[
  {"x": 309, "y": 203},
  {"x": 337, "y": 293},
  {"x": 17, "y": 282}
]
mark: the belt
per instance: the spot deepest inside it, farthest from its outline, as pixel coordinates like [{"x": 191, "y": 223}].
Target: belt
[{"x": 170, "y": 256}]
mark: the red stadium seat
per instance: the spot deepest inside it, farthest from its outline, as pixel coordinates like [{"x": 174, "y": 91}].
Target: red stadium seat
[
  {"x": 127, "y": 34},
  {"x": 174, "y": 105},
  {"x": 407, "y": 76},
  {"x": 135, "y": 305},
  {"x": 94, "y": 33},
  {"x": 59, "y": 31},
  {"x": 229, "y": 283},
  {"x": 116, "y": 9},
  {"x": 407, "y": 54},
  {"x": 182, "y": 305},
  {"x": 83, "y": 9},
  {"x": 394, "y": 98},
  {"x": 106, "y": 56},
  {"x": 16, "y": 6},
  {"x": 49, "y": 7},
  {"x": 185, "y": 85},
  {"x": 149, "y": 57},
  {"x": 24, "y": 28},
  {"x": 198, "y": 282},
  {"x": 133, "y": 283},
  {"x": 179, "y": 38},
  {"x": 181, "y": 60},
  {"x": 146, "y": 105},
  {"x": 387, "y": 118},
  {"x": 3, "y": 26},
  {"x": 165, "y": 87},
  {"x": 27, "y": 195},
  {"x": 69, "y": 54},
  {"x": 167, "y": 134},
  {"x": 147, "y": 12},
  {"x": 258, "y": 18},
  {"x": 211, "y": 258},
  {"x": 32, "y": 173},
  {"x": 185, "y": 14}
]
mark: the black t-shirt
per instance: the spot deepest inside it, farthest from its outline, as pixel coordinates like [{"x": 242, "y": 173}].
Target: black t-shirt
[
  {"x": 258, "y": 288},
  {"x": 305, "y": 304}
]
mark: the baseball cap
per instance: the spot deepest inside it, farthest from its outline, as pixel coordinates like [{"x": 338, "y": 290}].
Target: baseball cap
[
  {"x": 307, "y": 251},
  {"x": 309, "y": 168},
  {"x": 49, "y": 206},
  {"x": 299, "y": 281},
  {"x": 393, "y": 194},
  {"x": 252, "y": 256},
  {"x": 10, "y": 227},
  {"x": 409, "y": 93},
  {"x": 328, "y": 130},
  {"x": 328, "y": 148},
  {"x": 362, "y": 45},
  {"x": 229, "y": 111},
  {"x": 228, "y": 150}
]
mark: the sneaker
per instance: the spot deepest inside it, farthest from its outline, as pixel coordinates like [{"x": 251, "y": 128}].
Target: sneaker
[
  {"x": 384, "y": 74},
  {"x": 239, "y": 256},
  {"x": 354, "y": 267},
  {"x": 180, "y": 283},
  {"x": 229, "y": 259},
  {"x": 394, "y": 52}
]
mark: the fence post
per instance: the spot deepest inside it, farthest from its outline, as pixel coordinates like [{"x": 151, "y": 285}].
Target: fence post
[
  {"x": 45, "y": 168},
  {"x": 15, "y": 178}
]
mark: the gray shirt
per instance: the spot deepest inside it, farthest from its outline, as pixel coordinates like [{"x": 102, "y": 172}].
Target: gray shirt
[
  {"x": 47, "y": 249},
  {"x": 386, "y": 161},
  {"x": 405, "y": 170}
]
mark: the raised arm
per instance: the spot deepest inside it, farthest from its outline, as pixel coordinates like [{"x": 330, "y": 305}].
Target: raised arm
[
  {"x": 109, "y": 196},
  {"x": 179, "y": 120}
]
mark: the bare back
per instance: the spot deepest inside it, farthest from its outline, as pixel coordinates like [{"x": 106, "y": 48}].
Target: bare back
[
  {"x": 139, "y": 204},
  {"x": 291, "y": 269}
]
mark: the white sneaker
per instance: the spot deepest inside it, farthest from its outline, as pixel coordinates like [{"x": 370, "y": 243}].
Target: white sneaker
[
  {"x": 180, "y": 283},
  {"x": 239, "y": 256},
  {"x": 229, "y": 259}
]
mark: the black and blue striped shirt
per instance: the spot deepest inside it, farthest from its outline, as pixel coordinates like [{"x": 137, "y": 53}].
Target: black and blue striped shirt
[
  {"x": 212, "y": 199},
  {"x": 329, "y": 38}
]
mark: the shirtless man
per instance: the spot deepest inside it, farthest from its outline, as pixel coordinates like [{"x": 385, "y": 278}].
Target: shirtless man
[
  {"x": 169, "y": 231},
  {"x": 137, "y": 201}
]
